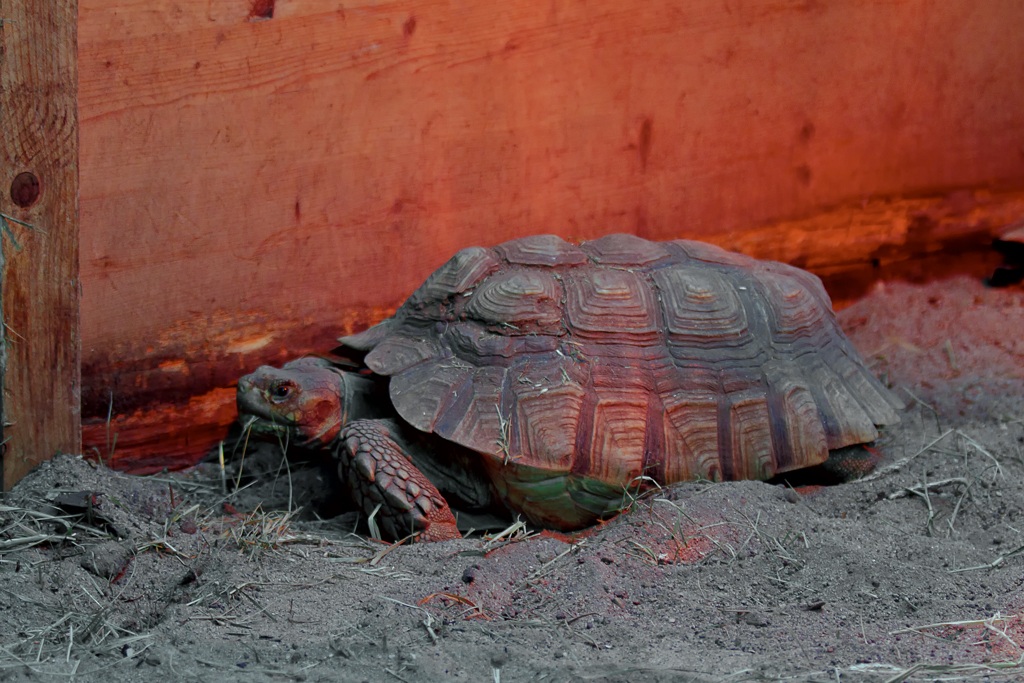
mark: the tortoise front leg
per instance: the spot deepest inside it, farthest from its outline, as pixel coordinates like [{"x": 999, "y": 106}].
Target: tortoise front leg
[{"x": 380, "y": 474}]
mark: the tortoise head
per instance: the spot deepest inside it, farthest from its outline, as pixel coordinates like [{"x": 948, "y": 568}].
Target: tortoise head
[{"x": 303, "y": 401}]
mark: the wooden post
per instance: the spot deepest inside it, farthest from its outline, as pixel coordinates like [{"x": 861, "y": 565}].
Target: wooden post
[{"x": 39, "y": 202}]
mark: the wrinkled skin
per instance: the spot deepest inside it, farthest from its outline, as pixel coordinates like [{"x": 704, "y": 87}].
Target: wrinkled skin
[
  {"x": 302, "y": 401},
  {"x": 313, "y": 404}
]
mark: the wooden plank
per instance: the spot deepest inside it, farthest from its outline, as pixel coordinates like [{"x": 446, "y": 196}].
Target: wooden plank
[
  {"x": 39, "y": 182},
  {"x": 253, "y": 185},
  {"x": 912, "y": 238}
]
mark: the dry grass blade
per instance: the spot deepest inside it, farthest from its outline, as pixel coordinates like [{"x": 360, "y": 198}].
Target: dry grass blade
[
  {"x": 931, "y": 671},
  {"x": 959, "y": 624},
  {"x": 889, "y": 469},
  {"x": 247, "y": 428},
  {"x": 74, "y": 633},
  {"x": 504, "y": 425},
  {"x": 927, "y": 501},
  {"x": 396, "y": 675},
  {"x": 932, "y": 486},
  {"x": 372, "y": 523},
  {"x": 384, "y": 573},
  {"x": 978, "y": 447},
  {"x": 283, "y": 445},
  {"x": 754, "y": 530},
  {"x": 214, "y": 599},
  {"x": 297, "y": 674},
  {"x": 474, "y": 611},
  {"x": 25, "y": 528},
  {"x": 643, "y": 552},
  {"x": 682, "y": 539},
  {"x": 258, "y": 531},
  {"x": 388, "y": 548},
  {"x": 995, "y": 625},
  {"x": 632, "y": 498},
  {"x": 935, "y": 413},
  {"x": 28, "y": 541},
  {"x": 771, "y": 543},
  {"x": 517, "y": 531},
  {"x": 163, "y": 545},
  {"x": 223, "y": 474},
  {"x": 994, "y": 563},
  {"x": 675, "y": 530},
  {"x": 428, "y": 621},
  {"x": 181, "y": 482},
  {"x": 543, "y": 569},
  {"x": 956, "y": 510}
]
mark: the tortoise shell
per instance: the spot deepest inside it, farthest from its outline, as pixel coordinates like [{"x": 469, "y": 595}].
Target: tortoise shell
[{"x": 578, "y": 369}]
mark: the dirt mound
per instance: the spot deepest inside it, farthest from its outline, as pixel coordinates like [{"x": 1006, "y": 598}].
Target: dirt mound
[{"x": 913, "y": 573}]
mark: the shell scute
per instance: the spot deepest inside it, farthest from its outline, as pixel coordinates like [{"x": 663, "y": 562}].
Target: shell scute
[
  {"x": 624, "y": 251},
  {"x": 474, "y": 342},
  {"x": 423, "y": 392},
  {"x": 751, "y": 448},
  {"x": 460, "y": 273},
  {"x": 691, "y": 427},
  {"x": 606, "y": 306},
  {"x": 709, "y": 253},
  {"x": 483, "y": 346},
  {"x": 879, "y": 403},
  {"x": 520, "y": 302},
  {"x": 800, "y": 319},
  {"x": 844, "y": 419},
  {"x": 542, "y": 250},
  {"x": 549, "y": 396},
  {"x": 370, "y": 337},
  {"x": 476, "y": 420},
  {"x": 797, "y": 430},
  {"x": 398, "y": 352},
  {"x": 705, "y": 319},
  {"x": 617, "y": 436}
]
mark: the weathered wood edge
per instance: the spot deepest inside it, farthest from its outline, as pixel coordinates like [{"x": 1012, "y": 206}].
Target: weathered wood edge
[{"x": 38, "y": 107}]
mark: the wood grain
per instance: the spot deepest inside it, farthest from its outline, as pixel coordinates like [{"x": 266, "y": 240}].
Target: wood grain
[
  {"x": 307, "y": 171},
  {"x": 39, "y": 135}
]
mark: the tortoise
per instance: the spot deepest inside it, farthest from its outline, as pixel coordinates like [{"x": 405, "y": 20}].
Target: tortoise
[{"x": 550, "y": 377}]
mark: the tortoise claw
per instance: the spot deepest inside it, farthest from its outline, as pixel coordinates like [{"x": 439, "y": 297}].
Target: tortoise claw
[{"x": 382, "y": 478}]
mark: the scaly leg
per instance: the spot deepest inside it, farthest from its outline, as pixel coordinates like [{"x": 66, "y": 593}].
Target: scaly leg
[{"x": 379, "y": 473}]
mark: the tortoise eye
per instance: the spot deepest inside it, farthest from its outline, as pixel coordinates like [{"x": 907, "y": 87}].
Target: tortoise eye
[{"x": 280, "y": 392}]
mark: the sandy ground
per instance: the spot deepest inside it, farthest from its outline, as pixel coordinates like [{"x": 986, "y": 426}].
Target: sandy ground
[{"x": 914, "y": 573}]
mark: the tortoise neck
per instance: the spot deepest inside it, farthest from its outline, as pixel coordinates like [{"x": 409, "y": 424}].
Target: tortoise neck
[{"x": 362, "y": 398}]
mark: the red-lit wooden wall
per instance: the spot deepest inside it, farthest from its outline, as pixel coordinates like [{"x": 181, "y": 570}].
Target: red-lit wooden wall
[{"x": 259, "y": 177}]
